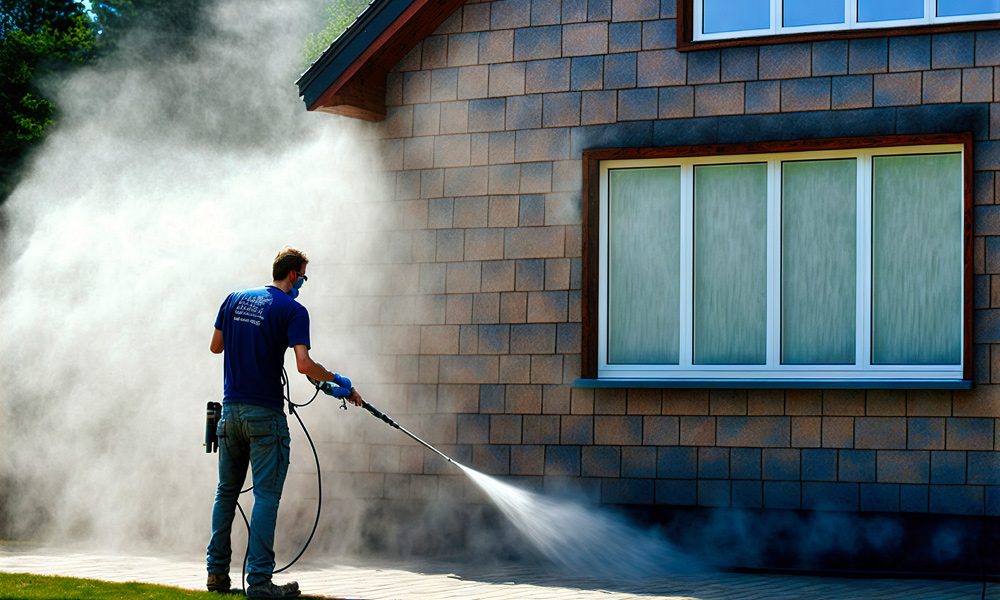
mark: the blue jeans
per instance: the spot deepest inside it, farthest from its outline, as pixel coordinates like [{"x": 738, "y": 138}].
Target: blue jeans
[{"x": 255, "y": 436}]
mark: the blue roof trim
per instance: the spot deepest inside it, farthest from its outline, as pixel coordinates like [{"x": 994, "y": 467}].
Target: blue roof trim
[
  {"x": 781, "y": 384},
  {"x": 346, "y": 49}
]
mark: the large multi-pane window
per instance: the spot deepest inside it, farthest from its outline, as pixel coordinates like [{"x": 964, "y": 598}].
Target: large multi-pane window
[
  {"x": 834, "y": 264},
  {"x": 724, "y": 19}
]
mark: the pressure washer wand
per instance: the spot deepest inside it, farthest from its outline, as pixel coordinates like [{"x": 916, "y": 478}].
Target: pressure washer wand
[
  {"x": 385, "y": 418},
  {"x": 388, "y": 421}
]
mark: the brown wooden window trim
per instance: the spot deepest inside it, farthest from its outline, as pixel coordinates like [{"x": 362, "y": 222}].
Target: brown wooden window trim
[
  {"x": 591, "y": 215},
  {"x": 685, "y": 32}
]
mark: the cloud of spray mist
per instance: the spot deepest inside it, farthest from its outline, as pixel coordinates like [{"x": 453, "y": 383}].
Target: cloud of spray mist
[
  {"x": 582, "y": 540},
  {"x": 165, "y": 187}
]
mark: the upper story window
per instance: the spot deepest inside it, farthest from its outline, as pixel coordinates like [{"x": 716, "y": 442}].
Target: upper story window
[
  {"x": 727, "y": 19},
  {"x": 836, "y": 263}
]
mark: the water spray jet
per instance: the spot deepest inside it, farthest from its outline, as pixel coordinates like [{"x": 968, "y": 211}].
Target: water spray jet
[{"x": 574, "y": 537}]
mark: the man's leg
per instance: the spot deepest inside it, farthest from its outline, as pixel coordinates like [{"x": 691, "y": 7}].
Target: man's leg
[
  {"x": 234, "y": 458},
  {"x": 269, "y": 454}
]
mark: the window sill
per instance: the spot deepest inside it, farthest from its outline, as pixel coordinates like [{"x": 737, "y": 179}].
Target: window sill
[{"x": 840, "y": 384}]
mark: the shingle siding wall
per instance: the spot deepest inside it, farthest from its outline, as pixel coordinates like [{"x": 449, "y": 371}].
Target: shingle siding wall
[{"x": 487, "y": 119}]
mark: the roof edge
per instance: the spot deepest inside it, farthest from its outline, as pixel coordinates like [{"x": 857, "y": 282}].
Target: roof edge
[
  {"x": 348, "y": 48},
  {"x": 349, "y": 78}
]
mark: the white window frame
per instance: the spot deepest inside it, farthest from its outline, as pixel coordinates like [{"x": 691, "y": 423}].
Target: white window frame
[
  {"x": 773, "y": 370},
  {"x": 850, "y": 22}
]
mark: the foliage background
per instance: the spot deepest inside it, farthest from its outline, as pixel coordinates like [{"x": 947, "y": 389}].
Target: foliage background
[
  {"x": 40, "y": 39},
  {"x": 37, "y": 37},
  {"x": 43, "y": 39},
  {"x": 340, "y": 14}
]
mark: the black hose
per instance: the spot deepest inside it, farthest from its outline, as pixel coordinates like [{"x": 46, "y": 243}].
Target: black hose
[
  {"x": 319, "y": 484},
  {"x": 245, "y": 554},
  {"x": 319, "y": 479},
  {"x": 979, "y": 550}
]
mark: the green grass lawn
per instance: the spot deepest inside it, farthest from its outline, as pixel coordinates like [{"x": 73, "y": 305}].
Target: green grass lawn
[{"x": 21, "y": 586}]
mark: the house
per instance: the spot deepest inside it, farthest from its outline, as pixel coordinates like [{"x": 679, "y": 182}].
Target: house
[{"x": 699, "y": 254}]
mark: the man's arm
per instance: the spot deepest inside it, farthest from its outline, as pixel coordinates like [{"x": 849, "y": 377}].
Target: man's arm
[
  {"x": 310, "y": 368},
  {"x": 217, "y": 344},
  {"x": 307, "y": 366}
]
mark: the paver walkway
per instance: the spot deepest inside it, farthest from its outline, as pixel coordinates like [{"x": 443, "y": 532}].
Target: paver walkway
[{"x": 384, "y": 580}]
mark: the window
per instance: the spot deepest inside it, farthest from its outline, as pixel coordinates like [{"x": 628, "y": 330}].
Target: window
[
  {"x": 727, "y": 19},
  {"x": 827, "y": 263}
]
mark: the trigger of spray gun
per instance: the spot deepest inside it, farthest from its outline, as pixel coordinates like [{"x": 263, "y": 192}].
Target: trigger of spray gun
[{"x": 317, "y": 383}]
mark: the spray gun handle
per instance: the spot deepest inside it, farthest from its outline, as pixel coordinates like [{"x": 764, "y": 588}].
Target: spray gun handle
[{"x": 313, "y": 381}]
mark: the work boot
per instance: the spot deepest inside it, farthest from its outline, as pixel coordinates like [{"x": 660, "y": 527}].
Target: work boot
[
  {"x": 270, "y": 590},
  {"x": 219, "y": 582}
]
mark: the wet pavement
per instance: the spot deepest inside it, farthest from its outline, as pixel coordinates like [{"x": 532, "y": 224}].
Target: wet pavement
[{"x": 424, "y": 580}]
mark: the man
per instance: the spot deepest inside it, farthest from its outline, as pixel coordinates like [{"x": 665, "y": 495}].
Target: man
[{"x": 254, "y": 328}]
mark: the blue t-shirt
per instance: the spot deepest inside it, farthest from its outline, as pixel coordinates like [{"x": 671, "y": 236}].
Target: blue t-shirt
[{"x": 257, "y": 326}]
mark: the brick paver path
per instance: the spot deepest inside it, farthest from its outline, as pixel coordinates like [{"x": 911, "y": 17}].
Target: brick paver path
[{"x": 385, "y": 580}]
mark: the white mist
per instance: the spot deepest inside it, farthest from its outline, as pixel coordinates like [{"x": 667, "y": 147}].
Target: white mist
[
  {"x": 164, "y": 187},
  {"x": 582, "y": 540}
]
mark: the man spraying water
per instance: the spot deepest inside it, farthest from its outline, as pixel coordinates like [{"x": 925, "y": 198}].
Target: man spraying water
[{"x": 254, "y": 328}]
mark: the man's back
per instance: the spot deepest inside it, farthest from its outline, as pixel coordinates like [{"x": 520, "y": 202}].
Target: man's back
[{"x": 257, "y": 326}]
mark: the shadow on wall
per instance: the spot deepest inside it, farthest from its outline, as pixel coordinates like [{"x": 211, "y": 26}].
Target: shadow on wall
[
  {"x": 814, "y": 540},
  {"x": 725, "y": 539},
  {"x": 467, "y": 533}
]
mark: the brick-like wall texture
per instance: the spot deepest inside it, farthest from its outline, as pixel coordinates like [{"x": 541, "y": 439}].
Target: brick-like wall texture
[{"x": 487, "y": 120}]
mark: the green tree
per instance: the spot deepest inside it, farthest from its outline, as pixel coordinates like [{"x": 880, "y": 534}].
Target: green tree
[
  {"x": 165, "y": 27},
  {"x": 340, "y": 14},
  {"x": 37, "y": 37},
  {"x": 42, "y": 37},
  {"x": 32, "y": 15}
]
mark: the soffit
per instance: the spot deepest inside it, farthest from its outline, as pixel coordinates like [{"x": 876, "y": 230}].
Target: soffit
[{"x": 349, "y": 77}]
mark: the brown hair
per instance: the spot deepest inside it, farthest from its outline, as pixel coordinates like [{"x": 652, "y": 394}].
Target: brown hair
[{"x": 288, "y": 260}]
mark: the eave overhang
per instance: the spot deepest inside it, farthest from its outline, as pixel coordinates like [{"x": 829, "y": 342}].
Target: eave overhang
[{"x": 349, "y": 78}]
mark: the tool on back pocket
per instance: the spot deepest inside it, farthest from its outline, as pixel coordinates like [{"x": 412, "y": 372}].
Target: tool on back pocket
[{"x": 212, "y": 418}]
